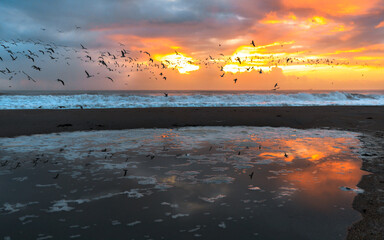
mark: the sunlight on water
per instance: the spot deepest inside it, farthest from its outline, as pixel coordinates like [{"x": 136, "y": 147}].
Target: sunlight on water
[{"x": 207, "y": 182}]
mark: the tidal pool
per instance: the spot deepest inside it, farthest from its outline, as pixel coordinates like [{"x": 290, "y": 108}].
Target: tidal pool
[{"x": 184, "y": 183}]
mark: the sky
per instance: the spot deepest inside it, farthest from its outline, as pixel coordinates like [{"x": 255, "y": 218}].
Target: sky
[{"x": 195, "y": 45}]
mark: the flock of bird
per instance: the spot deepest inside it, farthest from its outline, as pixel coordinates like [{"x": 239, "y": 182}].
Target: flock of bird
[{"x": 118, "y": 61}]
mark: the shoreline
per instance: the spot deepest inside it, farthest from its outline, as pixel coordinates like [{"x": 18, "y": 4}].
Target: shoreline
[{"x": 367, "y": 120}]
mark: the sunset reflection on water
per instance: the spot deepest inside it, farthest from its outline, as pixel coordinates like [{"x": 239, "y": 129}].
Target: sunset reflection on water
[{"x": 210, "y": 182}]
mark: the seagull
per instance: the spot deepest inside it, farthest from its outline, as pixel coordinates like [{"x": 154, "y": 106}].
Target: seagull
[
  {"x": 251, "y": 175},
  {"x": 222, "y": 75},
  {"x": 261, "y": 71},
  {"x": 125, "y": 172},
  {"x": 109, "y": 78},
  {"x": 62, "y": 82},
  {"x": 36, "y": 68},
  {"x": 253, "y": 43},
  {"x": 285, "y": 155},
  {"x": 275, "y": 85},
  {"x": 29, "y": 77},
  {"x": 235, "y": 80},
  {"x": 88, "y": 76},
  {"x": 82, "y": 46},
  {"x": 29, "y": 57},
  {"x": 57, "y": 176},
  {"x": 165, "y": 94}
]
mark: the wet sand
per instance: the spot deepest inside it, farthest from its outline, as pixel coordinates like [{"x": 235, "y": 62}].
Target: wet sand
[
  {"x": 369, "y": 121},
  {"x": 27, "y": 122}
]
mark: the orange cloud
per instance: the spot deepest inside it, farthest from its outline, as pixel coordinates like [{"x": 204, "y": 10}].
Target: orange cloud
[
  {"x": 380, "y": 25},
  {"x": 335, "y": 7}
]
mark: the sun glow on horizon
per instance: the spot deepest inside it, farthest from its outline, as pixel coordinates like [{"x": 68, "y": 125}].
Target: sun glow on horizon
[{"x": 178, "y": 61}]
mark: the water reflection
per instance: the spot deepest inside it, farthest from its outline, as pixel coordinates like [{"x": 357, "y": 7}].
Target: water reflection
[{"x": 180, "y": 183}]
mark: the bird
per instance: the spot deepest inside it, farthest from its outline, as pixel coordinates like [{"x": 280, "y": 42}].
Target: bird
[
  {"x": 82, "y": 46},
  {"x": 222, "y": 75},
  {"x": 253, "y": 43},
  {"x": 88, "y": 76},
  {"x": 36, "y": 68},
  {"x": 125, "y": 172},
  {"x": 122, "y": 54},
  {"x": 13, "y": 58},
  {"x": 165, "y": 94},
  {"x": 1, "y": 58},
  {"x": 29, "y": 57},
  {"x": 109, "y": 78},
  {"x": 57, "y": 176},
  {"x": 29, "y": 77},
  {"x": 285, "y": 155},
  {"x": 238, "y": 59},
  {"x": 103, "y": 63},
  {"x": 251, "y": 175},
  {"x": 261, "y": 71},
  {"x": 235, "y": 80},
  {"x": 275, "y": 85},
  {"x": 62, "y": 82}
]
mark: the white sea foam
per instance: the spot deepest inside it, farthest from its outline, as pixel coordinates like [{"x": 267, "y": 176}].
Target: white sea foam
[{"x": 197, "y": 99}]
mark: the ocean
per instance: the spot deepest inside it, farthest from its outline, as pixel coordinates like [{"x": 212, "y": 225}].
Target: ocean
[{"x": 150, "y": 99}]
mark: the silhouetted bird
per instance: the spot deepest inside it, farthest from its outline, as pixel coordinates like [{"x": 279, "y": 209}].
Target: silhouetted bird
[
  {"x": 62, "y": 82},
  {"x": 253, "y": 43},
  {"x": 88, "y": 76},
  {"x": 251, "y": 175},
  {"x": 165, "y": 94}
]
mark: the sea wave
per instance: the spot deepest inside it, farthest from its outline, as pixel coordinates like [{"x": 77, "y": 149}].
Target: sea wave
[{"x": 73, "y": 101}]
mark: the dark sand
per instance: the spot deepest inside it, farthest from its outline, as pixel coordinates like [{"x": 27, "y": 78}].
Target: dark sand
[
  {"x": 369, "y": 121},
  {"x": 26, "y": 122}
]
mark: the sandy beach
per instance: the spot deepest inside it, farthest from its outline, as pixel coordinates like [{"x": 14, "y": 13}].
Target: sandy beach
[
  {"x": 26, "y": 122},
  {"x": 368, "y": 121}
]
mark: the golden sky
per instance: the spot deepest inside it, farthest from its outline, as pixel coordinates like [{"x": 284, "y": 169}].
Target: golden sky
[{"x": 299, "y": 44}]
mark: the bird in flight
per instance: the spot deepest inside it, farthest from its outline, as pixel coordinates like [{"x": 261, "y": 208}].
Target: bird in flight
[
  {"x": 235, "y": 80},
  {"x": 253, "y": 43},
  {"x": 88, "y": 76},
  {"x": 109, "y": 78},
  {"x": 165, "y": 94},
  {"x": 62, "y": 82},
  {"x": 251, "y": 175},
  {"x": 82, "y": 46},
  {"x": 36, "y": 68}
]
